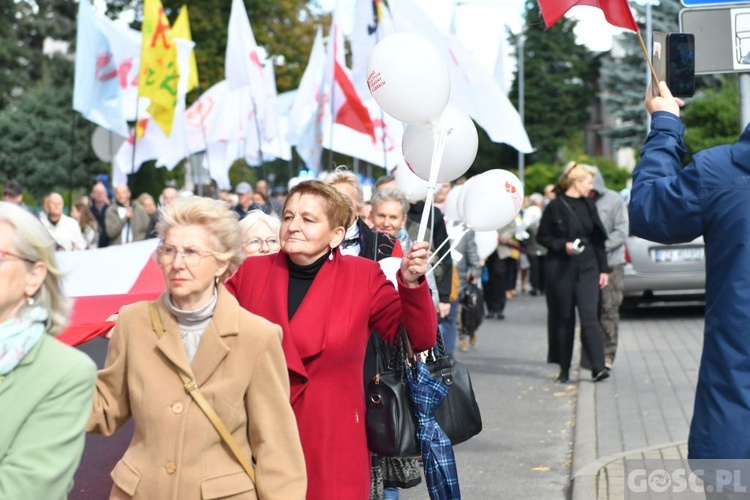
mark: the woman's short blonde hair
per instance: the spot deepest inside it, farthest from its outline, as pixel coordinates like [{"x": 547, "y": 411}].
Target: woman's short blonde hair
[
  {"x": 575, "y": 171},
  {"x": 33, "y": 242},
  {"x": 336, "y": 206},
  {"x": 214, "y": 217},
  {"x": 343, "y": 176},
  {"x": 255, "y": 216}
]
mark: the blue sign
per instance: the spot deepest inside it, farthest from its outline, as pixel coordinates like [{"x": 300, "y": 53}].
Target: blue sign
[{"x": 706, "y": 3}]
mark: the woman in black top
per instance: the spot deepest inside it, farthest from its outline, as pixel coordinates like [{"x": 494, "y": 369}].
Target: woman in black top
[{"x": 576, "y": 266}]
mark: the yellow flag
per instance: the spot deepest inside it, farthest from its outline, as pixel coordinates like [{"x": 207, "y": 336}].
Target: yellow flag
[
  {"x": 159, "y": 73},
  {"x": 181, "y": 29}
]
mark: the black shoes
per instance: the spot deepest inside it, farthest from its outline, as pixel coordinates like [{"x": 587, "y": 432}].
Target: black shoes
[
  {"x": 494, "y": 315},
  {"x": 600, "y": 375},
  {"x": 563, "y": 377}
]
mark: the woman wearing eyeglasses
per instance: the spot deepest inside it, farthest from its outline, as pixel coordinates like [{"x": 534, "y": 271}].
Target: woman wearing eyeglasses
[
  {"x": 45, "y": 386},
  {"x": 260, "y": 232},
  {"x": 234, "y": 357}
]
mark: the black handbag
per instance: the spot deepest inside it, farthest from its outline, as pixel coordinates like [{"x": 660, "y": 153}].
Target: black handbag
[
  {"x": 389, "y": 418},
  {"x": 390, "y": 421},
  {"x": 458, "y": 415}
]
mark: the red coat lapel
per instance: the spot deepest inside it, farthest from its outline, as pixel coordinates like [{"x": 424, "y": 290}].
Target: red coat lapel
[{"x": 310, "y": 324}]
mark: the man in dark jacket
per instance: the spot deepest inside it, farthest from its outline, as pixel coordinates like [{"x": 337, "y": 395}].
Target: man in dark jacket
[{"x": 708, "y": 197}]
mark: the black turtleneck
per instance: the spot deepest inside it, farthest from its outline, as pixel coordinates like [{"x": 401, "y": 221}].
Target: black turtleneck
[{"x": 300, "y": 279}]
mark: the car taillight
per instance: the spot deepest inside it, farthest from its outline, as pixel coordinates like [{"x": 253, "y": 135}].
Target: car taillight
[{"x": 627, "y": 254}]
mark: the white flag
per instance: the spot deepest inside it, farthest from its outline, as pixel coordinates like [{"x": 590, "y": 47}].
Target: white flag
[
  {"x": 97, "y": 94},
  {"x": 307, "y": 110},
  {"x": 244, "y": 68}
]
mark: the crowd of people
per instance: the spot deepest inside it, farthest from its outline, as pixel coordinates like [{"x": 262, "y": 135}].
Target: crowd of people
[{"x": 220, "y": 312}]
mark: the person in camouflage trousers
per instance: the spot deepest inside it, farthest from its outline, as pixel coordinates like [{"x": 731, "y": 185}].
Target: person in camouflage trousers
[{"x": 614, "y": 215}]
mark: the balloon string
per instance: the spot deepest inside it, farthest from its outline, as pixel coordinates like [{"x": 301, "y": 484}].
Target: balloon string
[
  {"x": 454, "y": 244},
  {"x": 438, "y": 147},
  {"x": 460, "y": 225}
]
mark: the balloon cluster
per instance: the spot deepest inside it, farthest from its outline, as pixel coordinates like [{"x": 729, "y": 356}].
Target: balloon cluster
[
  {"x": 409, "y": 80},
  {"x": 487, "y": 201}
]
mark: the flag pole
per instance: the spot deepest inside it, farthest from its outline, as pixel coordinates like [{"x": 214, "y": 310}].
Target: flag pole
[
  {"x": 650, "y": 64},
  {"x": 135, "y": 138},
  {"x": 72, "y": 158},
  {"x": 331, "y": 91},
  {"x": 203, "y": 132}
]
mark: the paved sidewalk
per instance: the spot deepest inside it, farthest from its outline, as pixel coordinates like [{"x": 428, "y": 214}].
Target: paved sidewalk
[{"x": 643, "y": 410}]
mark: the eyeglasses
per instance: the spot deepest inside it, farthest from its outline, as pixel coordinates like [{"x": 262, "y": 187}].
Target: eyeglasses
[
  {"x": 4, "y": 254},
  {"x": 191, "y": 255},
  {"x": 254, "y": 244}
]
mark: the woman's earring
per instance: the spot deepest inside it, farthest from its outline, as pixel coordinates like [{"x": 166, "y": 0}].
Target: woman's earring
[
  {"x": 330, "y": 255},
  {"x": 30, "y": 300}
]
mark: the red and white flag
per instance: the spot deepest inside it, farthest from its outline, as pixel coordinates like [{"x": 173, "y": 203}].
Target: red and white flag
[
  {"x": 346, "y": 107},
  {"x": 101, "y": 281},
  {"x": 616, "y": 12}
]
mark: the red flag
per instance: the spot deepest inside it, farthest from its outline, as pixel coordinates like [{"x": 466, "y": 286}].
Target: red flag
[{"x": 617, "y": 12}]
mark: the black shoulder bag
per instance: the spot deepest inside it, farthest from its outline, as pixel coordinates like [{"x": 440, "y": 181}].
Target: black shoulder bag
[{"x": 390, "y": 421}]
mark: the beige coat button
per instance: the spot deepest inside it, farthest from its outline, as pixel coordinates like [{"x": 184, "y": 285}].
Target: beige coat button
[
  {"x": 171, "y": 468},
  {"x": 177, "y": 408}
]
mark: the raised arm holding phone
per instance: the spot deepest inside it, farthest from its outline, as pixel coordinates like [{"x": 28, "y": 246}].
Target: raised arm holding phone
[{"x": 709, "y": 197}]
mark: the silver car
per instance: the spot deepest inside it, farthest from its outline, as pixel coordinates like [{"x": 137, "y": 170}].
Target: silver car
[{"x": 654, "y": 271}]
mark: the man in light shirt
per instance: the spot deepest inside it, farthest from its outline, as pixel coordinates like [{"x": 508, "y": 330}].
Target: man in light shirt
[{"x": 64, "y": 230}]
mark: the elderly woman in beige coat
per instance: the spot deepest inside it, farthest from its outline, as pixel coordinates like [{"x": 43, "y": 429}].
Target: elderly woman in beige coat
[{"x": 234, "y": 357}]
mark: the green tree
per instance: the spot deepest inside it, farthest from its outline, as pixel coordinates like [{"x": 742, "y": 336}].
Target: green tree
[
  {"x": 24, "y": 26},
  {"x": 623, "y": 75},
  {"x": 559, "y": 80},
  {"x": 712, "y": 118},
  {"x": 43, "y": 143}
]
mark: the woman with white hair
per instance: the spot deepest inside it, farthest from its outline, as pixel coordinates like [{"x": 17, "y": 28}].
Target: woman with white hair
[
  {"x": 260, "y": 233},
  {"x": 45, "y": 386}
]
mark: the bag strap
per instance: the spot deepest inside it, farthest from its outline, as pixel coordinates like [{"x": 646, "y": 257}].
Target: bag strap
[
  {"x": 578, "y": 221},
  {"x": 192, "y": 388}
]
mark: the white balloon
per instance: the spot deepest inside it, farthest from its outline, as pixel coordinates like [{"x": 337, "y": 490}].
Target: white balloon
[
  {"x": 461, "y": 202},
  {"x": 390, "y": 267},
  {"x": 412, "y": 186},
  {"x": 461, "y": 146},
  {"x": 493, "y": 200},
  {"x": 451, "y": 204},
  {"x": 408, "y": 78},
  {"x": 486, "y": 243}
]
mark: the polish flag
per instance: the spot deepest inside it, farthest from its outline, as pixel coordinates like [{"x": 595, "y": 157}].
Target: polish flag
[{"x": 101, "y": 281}]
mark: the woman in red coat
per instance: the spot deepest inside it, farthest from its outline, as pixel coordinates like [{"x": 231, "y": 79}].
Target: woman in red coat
[{"x": 327, "y": 305}]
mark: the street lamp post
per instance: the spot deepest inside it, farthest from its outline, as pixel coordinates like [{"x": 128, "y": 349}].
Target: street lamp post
[{"x": 521, "y": 157}]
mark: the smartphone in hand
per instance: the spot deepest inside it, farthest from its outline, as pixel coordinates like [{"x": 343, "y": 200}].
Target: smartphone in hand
[{"x": 673, "y": 57}]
